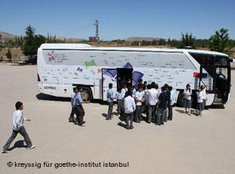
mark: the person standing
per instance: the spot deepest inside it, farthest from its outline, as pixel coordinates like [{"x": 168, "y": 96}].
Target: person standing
[
  {"x": 140, "y": 84},
  {"x": 17, "y": 125},
  {"x": 187, "y": 99},
  {"x": 129, "y": 108},
  {"x": 200, "y": 97},
  {"x": 73, "y": 111},
  {"x": 124, "y": 90},
  {"x": 110, "y": 101},
  {"x": 123, "y": 82},
  {"x": 146, "y": 100},
  {"x": 169, "y": 98},
  {"x": 118, "y": 96},
  {"x": 145, "y": 85},
  {"x": 79, "y": 108},
  {"x": 134, "y": 90},
  {"x": 152, "y": 100},
  {"x": 204, "y": 98},
  {"x": 170, "y": 106},
  {"x": 139, "y": 98},
  {"x": 161, "y": 107}
]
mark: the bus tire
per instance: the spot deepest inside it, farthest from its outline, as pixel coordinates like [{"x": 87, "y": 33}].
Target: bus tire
[
  {"x": 87, "y": 94},
  {"x": 180, "y": 100}
]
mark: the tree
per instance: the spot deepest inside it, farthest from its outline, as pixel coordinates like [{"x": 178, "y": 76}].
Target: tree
[
  {"x": 8, "y": 54},
  {"x": 221, "y": 42},
  {"x": 187, "y": 41},
  {"x": 162, "y": 42},
  {"x": 32, "y": 42},
  {"x": 38, "y": 40},
  {"x": 28, "y": 47}
]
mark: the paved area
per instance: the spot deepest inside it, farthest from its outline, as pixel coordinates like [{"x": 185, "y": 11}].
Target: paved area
[{"x": 188, "y": 144}]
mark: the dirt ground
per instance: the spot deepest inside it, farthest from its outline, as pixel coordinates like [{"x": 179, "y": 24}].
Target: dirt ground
[{"x": 188, "y": 144}]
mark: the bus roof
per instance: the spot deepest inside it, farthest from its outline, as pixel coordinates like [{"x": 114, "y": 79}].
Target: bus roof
[{"x": 72, "y": 46}]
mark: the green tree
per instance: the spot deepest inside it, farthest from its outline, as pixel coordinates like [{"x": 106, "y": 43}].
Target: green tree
[
  {"x": 32, "y": 42},
  {"x": 174, "y": 43},
  {"x": 162, "y": 42},
  {"x": 8, "y": 54},
  {"x": 38, "y": 40},
  {"x": 28, "y": 47},
  {"x": 221, "y": 42},
  {"x": 187, "y": 41}
]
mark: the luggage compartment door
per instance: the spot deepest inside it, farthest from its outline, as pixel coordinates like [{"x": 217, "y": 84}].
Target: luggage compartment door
[{"x": 108, "y": 76}]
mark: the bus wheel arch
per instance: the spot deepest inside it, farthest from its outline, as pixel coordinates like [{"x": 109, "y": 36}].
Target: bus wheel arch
[
  {"x": 86, "y": 93},
  {"x": 180, "y": 99}
]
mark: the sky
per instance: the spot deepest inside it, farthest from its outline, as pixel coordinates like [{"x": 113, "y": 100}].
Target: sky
[{"x": 118, "y": 19}]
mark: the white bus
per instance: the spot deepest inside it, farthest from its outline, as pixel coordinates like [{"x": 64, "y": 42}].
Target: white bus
[{"x": 64, "y": 66}]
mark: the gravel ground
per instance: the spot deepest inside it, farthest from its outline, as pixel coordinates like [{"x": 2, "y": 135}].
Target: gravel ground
[{"x": 188, "y": 144}]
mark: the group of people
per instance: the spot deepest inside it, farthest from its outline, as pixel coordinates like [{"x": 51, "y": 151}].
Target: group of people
[
  {"x": 133, "y": 101},
  {"x": 201, "y": 99},
  {"x": 76, "y": 103}
]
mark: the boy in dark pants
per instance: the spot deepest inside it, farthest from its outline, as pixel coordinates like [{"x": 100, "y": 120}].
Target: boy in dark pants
[
  {"x": 200, "y": 100},
  {"x": 110, "y": 101},
  {"x": 139, "y": 98},
  {"x": 119, "y": 101},
  {"x": 170, "y": 105},
  {"x": 18, "y": 127},
  {"x": 129, "y": 108},
  {"x": 73, "y": 111},
  {"x": 161, "y": 107},
  {"x": 78, "y": 107}
]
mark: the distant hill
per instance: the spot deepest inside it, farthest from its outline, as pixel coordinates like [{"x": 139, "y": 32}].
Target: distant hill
[
  {"x": 131, "y": 39},
  {"x": 6, "y": 36},
  {"x": 69, "y": 39}
]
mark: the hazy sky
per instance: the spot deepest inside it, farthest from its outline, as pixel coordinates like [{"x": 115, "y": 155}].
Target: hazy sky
[{"x": 118, "y": 19}]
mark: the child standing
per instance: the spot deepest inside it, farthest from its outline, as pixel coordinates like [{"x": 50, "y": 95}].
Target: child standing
[
  {"x": 200, "y": 100},
  {"x": 129, "y": 108},
  {"x": 187, "y": 99},
  {"x": 139, "y": 98},
  {"x": 110, "y": 101},
  {"x": 118, "y": 96},
  {"x": 203, "y": 88}
]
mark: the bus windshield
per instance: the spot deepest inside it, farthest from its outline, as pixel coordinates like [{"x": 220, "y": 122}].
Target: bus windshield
[
  {"x": 222, "y": 72},
  {"x": 221, "y": 61}
]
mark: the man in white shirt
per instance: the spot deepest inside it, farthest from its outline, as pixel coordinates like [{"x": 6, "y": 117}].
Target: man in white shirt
[
  {"x": 152, "y": 99},
  {"x": 18, "y": 127},
  {"x": 139, "y": 98},
  {"x": 129, "y": 108}
]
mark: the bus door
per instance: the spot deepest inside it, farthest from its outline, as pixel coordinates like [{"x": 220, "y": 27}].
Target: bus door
[
  {"x": 222, "y": 78},
  {"x": 206, "y": 79},
  {"x": 124, "y": 76},
  {"x": 222, "y": 82},
  {"x": 109, "y": 75}
]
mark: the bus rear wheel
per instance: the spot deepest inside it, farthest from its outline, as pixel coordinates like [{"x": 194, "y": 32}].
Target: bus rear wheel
[
  {"x": 180, "y": 100},
  {"x": 87, "y": 94}
]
